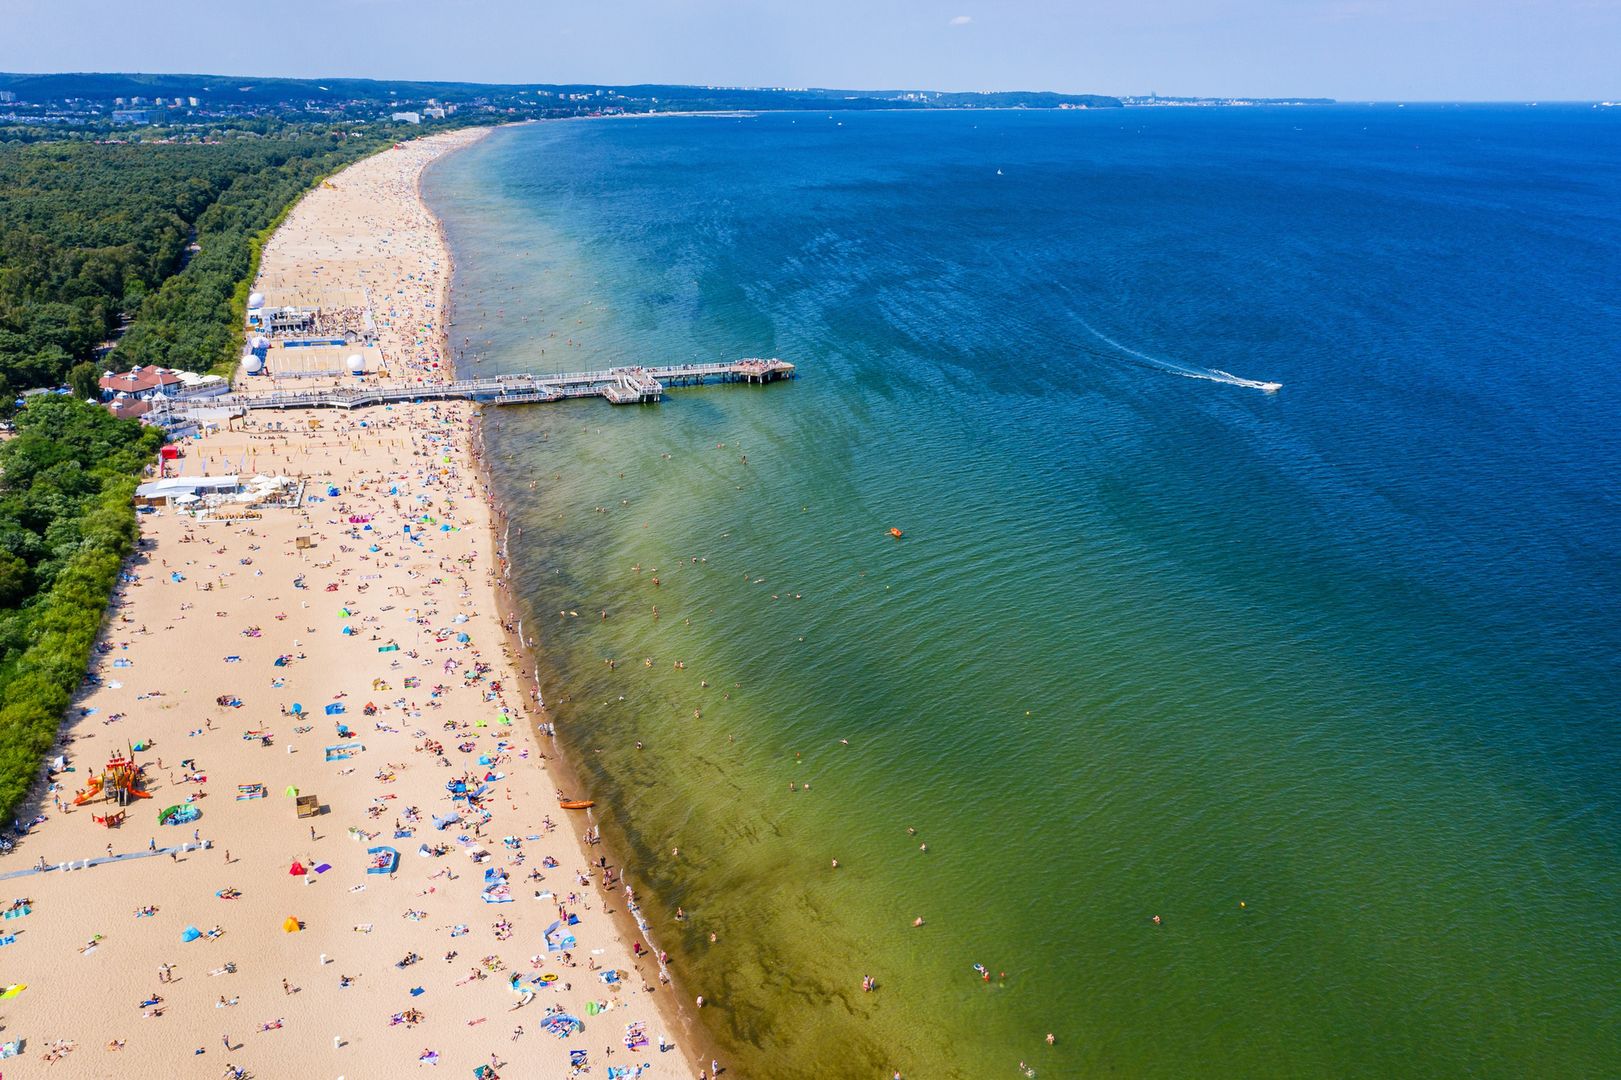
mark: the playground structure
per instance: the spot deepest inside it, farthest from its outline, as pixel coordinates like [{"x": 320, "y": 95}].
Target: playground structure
[{"x": 119, "y": 780}]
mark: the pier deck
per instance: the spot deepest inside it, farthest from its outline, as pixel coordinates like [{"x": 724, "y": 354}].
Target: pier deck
[{"x": 620, "y": 385}]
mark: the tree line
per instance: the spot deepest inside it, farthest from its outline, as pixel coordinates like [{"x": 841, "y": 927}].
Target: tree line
[
  {"x": 92, "y": 235},
  {"x": 159, "y": 241},
  {"x": 67, "y": 521}
]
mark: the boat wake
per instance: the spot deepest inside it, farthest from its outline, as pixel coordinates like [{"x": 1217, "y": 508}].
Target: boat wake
[{"x": 1187, "y": 371}]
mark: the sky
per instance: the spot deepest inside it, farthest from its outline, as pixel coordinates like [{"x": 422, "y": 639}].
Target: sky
[{"x": 1410, "y": 50}]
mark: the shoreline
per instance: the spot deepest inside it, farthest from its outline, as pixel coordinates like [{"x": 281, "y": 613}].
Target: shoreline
[
  {"x": 200, "y": 586},
  {"x": 678, "y": 1016}
]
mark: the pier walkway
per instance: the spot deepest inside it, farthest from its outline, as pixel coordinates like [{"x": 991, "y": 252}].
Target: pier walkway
[{"x": 620, "y": 385}]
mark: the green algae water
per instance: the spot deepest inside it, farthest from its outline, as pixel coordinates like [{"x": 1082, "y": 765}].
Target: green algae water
[{"x": 1324, "y": 678}]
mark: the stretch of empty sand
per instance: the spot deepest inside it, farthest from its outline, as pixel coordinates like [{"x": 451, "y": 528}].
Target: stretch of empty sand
[{"x": 238, "y": 656}]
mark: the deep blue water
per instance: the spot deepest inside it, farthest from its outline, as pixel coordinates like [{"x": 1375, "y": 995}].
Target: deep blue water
[{"x": 1157, "y": 641}]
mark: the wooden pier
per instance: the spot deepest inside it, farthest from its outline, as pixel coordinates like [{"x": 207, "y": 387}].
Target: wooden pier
[{"x": 620, "y": 385}]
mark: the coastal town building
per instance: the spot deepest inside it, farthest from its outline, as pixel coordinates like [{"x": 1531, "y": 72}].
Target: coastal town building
[
  {"x": 149, "y": 383},
  {"x": 144, "y": 383},
  {"x": 131, "y": 395}
]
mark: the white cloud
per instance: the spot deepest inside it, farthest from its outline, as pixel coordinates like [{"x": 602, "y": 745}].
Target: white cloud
[{"x": 961, "y": 20}]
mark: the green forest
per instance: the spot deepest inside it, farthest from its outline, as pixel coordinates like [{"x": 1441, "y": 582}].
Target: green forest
[
  {"x": 92, "y": 235},
  {"x": 67, "y": 480},
  {"x": 150, "y": 246}
]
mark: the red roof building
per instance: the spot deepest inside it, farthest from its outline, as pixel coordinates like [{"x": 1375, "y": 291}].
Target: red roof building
[{"x": 141, "y": 382}]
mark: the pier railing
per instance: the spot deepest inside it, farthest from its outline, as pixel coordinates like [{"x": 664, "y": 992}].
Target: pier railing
[{"x": 621, "y": 385}]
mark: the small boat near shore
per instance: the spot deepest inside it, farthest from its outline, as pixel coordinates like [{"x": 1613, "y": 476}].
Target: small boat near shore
[{"x": 576, "y": 804}]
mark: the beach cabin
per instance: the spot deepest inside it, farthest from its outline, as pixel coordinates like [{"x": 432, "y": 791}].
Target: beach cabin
[{"x": 184, "y": 490}]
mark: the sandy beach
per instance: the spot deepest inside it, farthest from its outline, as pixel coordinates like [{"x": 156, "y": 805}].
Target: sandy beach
[{"x": 439, "y": 909}]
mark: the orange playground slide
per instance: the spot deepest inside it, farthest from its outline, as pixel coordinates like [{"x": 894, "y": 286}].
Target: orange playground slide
[{"x": 89, "y": 793}]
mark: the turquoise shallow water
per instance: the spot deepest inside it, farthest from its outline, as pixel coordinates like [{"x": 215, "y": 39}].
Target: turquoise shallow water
[{"x": 1155, "y": 642}]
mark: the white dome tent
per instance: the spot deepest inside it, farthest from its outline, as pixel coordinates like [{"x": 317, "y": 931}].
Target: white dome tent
[
  {"x": 253, "y": 363},
  {"x": 256, "y": 301},
  {"x": 356, "y": 364}
]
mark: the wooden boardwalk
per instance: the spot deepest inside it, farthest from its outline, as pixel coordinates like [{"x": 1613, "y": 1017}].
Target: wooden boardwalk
[{"x": 620, "y": 385}]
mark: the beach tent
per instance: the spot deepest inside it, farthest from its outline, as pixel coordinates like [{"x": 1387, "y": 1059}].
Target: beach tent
[
  {"x": 297, "y": 869},
  {"x": 291, "y": 792},
  {"x": 558, "y": 938},
  {"x": 562, "y": 1025},
  {"x": 384, "y": 860},
  {"x": 297, "y": 709},
  {"x": 291, "y": 925},
  {"x": 190, "y": 933},
  {"x": 185, "y": 815},
  {"x": 179, "y": 815}
]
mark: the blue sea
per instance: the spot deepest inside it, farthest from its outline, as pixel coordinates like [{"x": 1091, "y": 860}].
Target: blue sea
[{"x": 1243, "y": 693}]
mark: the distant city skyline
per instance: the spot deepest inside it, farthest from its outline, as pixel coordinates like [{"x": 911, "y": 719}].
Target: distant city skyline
[{"x": 1486, "y": 50}]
